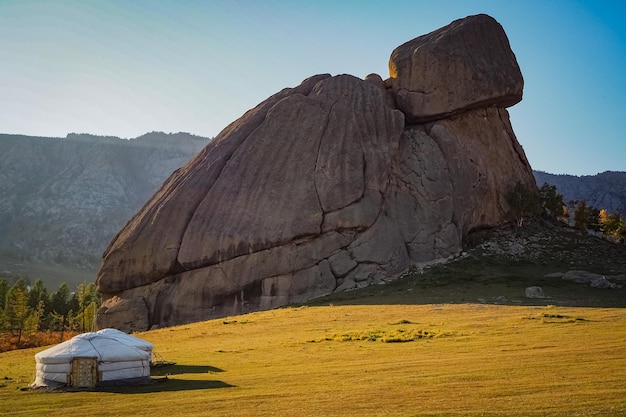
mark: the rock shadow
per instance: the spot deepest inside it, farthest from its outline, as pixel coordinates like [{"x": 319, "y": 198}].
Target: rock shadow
[{"x": 169, "y": 385}]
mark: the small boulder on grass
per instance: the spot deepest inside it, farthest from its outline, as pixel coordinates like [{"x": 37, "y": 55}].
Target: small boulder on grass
[
  {"x": 602, "y": 282},
  {"x": 501, "y": 299},
  {"x": 534, "y": 292}
]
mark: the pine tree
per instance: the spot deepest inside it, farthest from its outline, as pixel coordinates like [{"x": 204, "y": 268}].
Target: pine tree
[
  {"x": 581, "y": 216},
  {"x": 88, "y": 303},
  {"x": 4, "y": 287},
  {"x": 4, "y": 321},
  {"x": 17, "y": 309},
  {"x": 37, "y": 294},
  {"x": 33, "y": 321},
  {"x": 551, "y": 202},
  {"x": 60, "y": 309},
  {"x": 523, "y": 201}
]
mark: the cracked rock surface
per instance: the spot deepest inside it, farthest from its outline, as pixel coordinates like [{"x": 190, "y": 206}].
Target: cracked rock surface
[{"x": 324, "y": 187}]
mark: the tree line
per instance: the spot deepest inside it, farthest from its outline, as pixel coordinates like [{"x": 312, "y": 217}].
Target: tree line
[
  {"x": 527, "y": 202},
  {"x": 26, "y": 309}
]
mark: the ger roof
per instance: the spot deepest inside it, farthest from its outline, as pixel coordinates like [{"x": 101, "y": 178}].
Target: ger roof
[{"x": 107, "y": 345}]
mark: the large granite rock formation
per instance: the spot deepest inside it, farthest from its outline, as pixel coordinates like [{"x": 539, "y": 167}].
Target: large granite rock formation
[{"x": 333, "y": 185}]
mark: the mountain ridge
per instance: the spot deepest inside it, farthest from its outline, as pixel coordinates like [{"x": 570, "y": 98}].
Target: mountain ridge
[
  {"x": 605, "y": 190},
  {"x": 63, "y": 199}
]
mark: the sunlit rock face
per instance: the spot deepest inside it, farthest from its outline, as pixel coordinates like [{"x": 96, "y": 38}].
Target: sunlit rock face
[{"x": 332, "y": 185}]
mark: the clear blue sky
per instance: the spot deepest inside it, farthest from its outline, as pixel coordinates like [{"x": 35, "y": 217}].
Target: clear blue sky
[{"x": 124, "y": 68}]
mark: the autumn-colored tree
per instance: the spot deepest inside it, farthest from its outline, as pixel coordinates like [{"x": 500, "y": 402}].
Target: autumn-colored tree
[{"x": 612, "y": 225}]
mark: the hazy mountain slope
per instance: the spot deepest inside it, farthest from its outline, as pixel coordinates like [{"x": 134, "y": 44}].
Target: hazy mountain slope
[
  {"x": 63, "y": 199},
  {"x": 606, "y": 190}
]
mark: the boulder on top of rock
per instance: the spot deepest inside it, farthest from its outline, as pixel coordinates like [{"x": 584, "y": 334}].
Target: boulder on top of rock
[{"x": 467, "y": 64}]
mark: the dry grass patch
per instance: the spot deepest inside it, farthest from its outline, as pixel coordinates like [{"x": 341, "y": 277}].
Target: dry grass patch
[
  {"x": 495, "y": 361},
  {"x": 385, "y": 336},
  {"x": 398, "y": 332}
]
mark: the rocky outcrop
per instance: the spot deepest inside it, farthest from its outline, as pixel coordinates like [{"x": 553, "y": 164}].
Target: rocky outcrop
[{"x": 325, "y": 187}]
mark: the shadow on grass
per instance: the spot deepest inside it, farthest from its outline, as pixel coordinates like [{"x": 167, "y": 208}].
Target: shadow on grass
[
  {"x": 169, "y": 385},
  {"x": 175, "y": 369}
]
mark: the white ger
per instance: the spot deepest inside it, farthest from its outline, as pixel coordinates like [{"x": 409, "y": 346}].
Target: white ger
[{"x": 105, "y": 357}]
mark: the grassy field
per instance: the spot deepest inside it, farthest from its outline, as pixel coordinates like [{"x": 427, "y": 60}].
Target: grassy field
[
  {"x": 355, "y": 360},
  {"x": 459, "y": 339}
]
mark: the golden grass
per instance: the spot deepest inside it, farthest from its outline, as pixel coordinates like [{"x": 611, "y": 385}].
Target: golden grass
[{"x": 477, "y": 360}]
